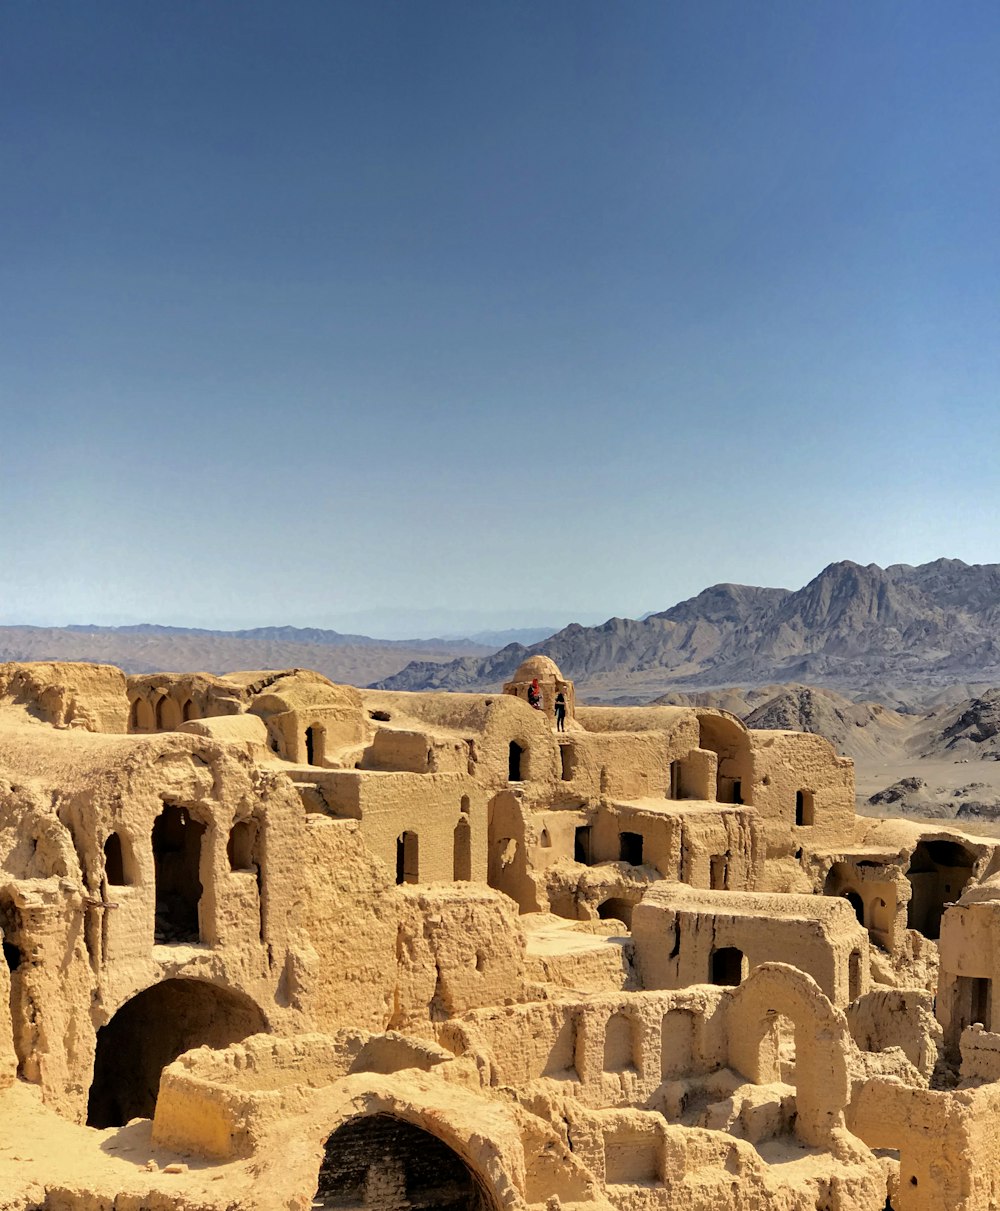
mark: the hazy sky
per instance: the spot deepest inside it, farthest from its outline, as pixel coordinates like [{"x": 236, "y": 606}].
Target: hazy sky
[{"x": 544, "y": 310}]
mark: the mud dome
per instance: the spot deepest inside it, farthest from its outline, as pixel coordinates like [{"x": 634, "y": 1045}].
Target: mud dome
[{"x": 272, "y": 943}]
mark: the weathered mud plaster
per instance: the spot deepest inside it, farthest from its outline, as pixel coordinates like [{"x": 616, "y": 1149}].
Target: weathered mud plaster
[{"x": 272, "y": 943}]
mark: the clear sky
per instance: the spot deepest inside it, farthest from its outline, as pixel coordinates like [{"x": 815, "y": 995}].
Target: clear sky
[{"x": 535, "y": 310}]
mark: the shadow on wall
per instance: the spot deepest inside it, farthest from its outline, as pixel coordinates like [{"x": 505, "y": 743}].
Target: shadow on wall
[{"x": 152, "y": 1030}]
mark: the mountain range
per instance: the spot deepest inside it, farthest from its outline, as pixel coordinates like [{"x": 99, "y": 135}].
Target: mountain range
[
  {"x": 148, "y": 648},
  {"x": 869, "y": 631}
]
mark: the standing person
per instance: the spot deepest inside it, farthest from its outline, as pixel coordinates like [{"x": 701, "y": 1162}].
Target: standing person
[{"x": 560, "y": 712}]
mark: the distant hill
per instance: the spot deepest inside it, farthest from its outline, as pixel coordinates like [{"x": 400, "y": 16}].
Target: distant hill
[
  {"x": 148, "y": 648},
  {"x": 861, "y": 730},
  {"x": 865, "y": 630}
]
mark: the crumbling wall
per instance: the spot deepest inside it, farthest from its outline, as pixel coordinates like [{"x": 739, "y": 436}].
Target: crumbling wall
[
  {"x": 457, "y": 948},
  {"x": 65, "y": 694},
  {"x": 341, "y": 970}
]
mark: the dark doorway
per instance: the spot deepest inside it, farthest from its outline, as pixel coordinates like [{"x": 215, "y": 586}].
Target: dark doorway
[
  {"x": 805, "y": 810},
  {"x": 384, "y": 1162},
  {"x": 938, "y": 873},
  {"x": 727, "y": 966},
  {"x": 514, "y": 762},
  {"x": 152, "y": 1030},
  {"x": 315, "y": 745},
  {"x": 630, "y": 848},
  {"x": 581, "y": 845},
  {"x": 857, "y": 904},
  {"x": 177, "y": 862}
]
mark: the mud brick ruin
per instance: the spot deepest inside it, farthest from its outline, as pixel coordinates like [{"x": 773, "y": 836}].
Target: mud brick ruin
[{"x": 274, "y": 943}]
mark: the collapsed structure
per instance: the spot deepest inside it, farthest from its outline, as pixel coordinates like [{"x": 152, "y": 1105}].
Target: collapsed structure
[{"x": 272, "y": 942}]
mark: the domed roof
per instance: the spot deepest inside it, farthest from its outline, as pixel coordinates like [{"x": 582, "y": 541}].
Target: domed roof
[{"x": 537, "y": 666}]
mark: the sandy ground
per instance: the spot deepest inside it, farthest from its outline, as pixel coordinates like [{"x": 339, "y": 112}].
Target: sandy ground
[
  {"x": 875, "y": 775},
  {"x": 40, "y": 1150}
]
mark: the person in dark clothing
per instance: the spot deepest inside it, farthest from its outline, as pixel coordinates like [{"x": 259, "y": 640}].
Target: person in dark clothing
[{"x": 560, "y": 712}]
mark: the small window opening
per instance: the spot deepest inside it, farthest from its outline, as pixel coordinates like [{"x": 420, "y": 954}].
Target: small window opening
[
  {"x": 737, "y": 791},
  {"x": 581, "y": 845},
  {"x": 630, "y": 848},
  {"x": 804, "y": 807},
  {"x": 514, "y": 762},
  {"x": 114, "y": 861},
  {"x": 618, "y": 1045},
  {"x": 854, "y": 976},
  {"x": 462, "y": 852},
  {"x": 567, "y": 757},
  {"x": 720, "y": 872},
  {"x": 675, "y": 780},
  {"x": 12, "y": 955},
  {"x": 407, "y": 858},
  {"x": 240, "y": 846},
  {"x": 727, "y": 966},
  {"x": 545, "y": 840},
  {"x": 465, "y": 805}
]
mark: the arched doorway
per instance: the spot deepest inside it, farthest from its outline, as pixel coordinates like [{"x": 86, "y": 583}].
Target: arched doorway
[
  {"x": 152, "y": 1030},
  {"x": 724, "y": 735},
  {"x": 384, "y": 1162}
]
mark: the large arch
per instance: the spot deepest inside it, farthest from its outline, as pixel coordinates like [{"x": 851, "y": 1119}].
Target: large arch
[
  {"x": 380, "y": 1160},
  {"x": 774, "y": 991},
  {"x": 150, "y": 1031}
]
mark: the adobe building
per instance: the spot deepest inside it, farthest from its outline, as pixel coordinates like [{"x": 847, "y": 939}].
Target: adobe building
[{"x": 275, "y": 944}]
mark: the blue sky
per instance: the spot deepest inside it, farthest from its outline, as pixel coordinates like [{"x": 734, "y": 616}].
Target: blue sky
[{"x": 525, "y": 311}]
